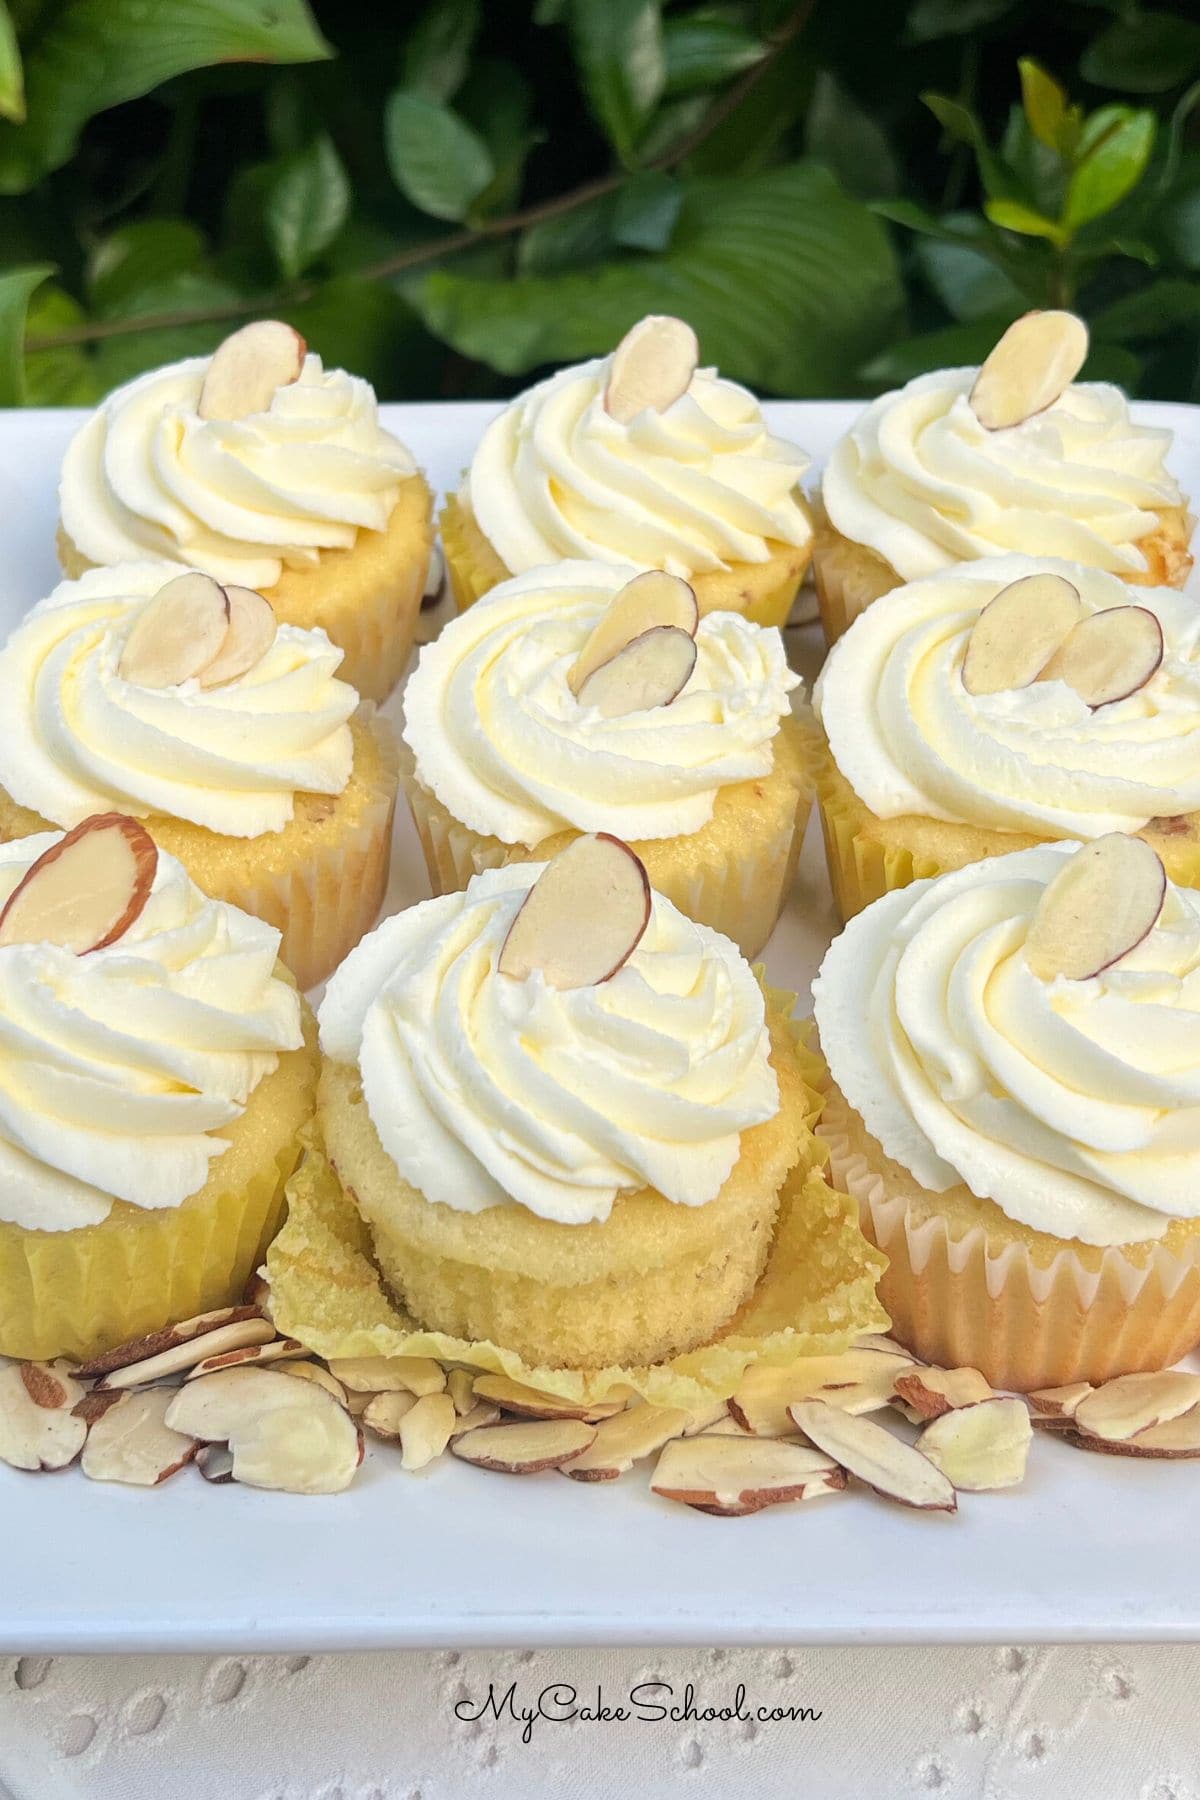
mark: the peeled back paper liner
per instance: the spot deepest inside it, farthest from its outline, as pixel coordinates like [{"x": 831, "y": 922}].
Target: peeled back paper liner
[{"x": 815, "y": 1296}]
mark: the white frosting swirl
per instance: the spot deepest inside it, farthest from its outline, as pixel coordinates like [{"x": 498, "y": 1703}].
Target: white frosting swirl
[
  {"x": 921, "y": 482},
  {"x": 909, "y": 738},
  {"x": 242, "y": 499},
  {"x": 698, "y": 486},
  {"x": 485, "y": 1089},
  {"x": 79, "y": 738},
  {"x": 1074, "y": 1105},
  {"x": 502, "y": 741},
  {"x": 117, "y": 1067}
]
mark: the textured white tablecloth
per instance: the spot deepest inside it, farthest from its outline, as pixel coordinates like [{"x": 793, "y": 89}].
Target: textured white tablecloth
[{"x": 1001, "y": 1724}]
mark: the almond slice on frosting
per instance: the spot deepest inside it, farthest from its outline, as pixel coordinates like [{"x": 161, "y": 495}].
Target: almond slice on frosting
[
  {"x": 177, "y": 633},
  {"x": 981, "y": 1447},
  {"x": 248, "y": 369},
  {"x": 654, "y": 598},
  {"x": 651, "y": 671},
  {"x": 84, "y": 892},
  {"x": 1108, "y": 655},
  {"x": 1035, "y": 361},
  {"x": 651, "y": 367},
  {"x": 248, "y": 637},
  {"x": 1103, "y": 902},
  {"x": 732, "y": 1477},
  {"x": 875, "y": 1457},
  {"x": 583, "y": 918},
  {"x": 1018, "y": 632}
]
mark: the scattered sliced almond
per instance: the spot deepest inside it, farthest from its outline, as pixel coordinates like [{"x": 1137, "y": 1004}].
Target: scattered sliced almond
[
  {"x": 177, "y": 633},
  {"x": 856, "y": 1381},
  {"x": 460, "y": 1385},
  {"x": 1058, "y": 1402},
  {"x": 384, "y": 1412},
  {"x": 651, "y": 671},
  {"x": 283, "y": 1434},
  {"x": 531, "y": 1403},
  {"x": 703, "y": 1418},
  {"x": 651, "y": 367},
  {"x": 980, "y": 1447},
  {"x": 168, "y": 1338},
  {"x": 1131, "y": 1404},
  {"x": 278, "y": 1350},
  {"x": 1034, "y": 363},
  {"x": 318, "y": 1373},
  {"x": 481, "y": 1414},
  {"x": 873, "y": 1456},
  {"x": 133, "y": 1444},
  {"x": 249, "y": 368},
  {"x": 654, "y": 598},
  {"x": 385, "y": 1374},
  {"x": 426, "y": 1430},
  {"x": 215, "y": 1463},
  {"x": 874, "y": 1340},
  {"x": 1103, "y": 902},
  {"x": 932, "y": 1392},
  {"x": 1176, "y": 1439},
  {"x": 1108, "y": 655},
  {"x": 735, "y": 1476},
  {"x": 178, "y": 1358},
  {"x": 39, "y": 1428},
  {"x": 1018, "y": 632},
  {"x": 85, "y": 891},
  {"x": 248, "y": 637},
  {"x": 525, "y": 1449},
  {"x": 726, "y": 1426},
  {"x": 626, "y": 1438},
  {"x": 257, "y": 1293},
  {"x": 94, "y": 1405},
  {"x": 583, "y": 918}
]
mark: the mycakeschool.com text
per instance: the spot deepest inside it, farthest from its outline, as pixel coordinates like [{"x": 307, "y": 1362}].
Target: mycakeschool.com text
[{"x": 649, "y": 1703}]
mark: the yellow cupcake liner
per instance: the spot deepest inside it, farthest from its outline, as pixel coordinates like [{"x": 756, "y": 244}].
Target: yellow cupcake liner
[
  {"x": 972, "y": 1298},
  {"x": 848, "y": 578}
]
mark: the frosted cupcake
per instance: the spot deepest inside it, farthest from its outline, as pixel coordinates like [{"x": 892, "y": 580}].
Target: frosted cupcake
[
  {"x": 1014, "y": 1051},
  {"x": 1005, "y": 703},
  {"x": 154, "y": 1077},
  {"x": 569, "y": 700},
  {"x": 642, "y": 460},
  {"x": 264, "y": 469},
  {"x": 183, "y": 703},
  {"x": 1016, "y": 456},
  {"x": 564, "y": 1112}
]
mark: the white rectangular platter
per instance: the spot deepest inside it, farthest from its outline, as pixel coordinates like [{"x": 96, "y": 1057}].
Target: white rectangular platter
[{"x": 1087, "y": 1550}]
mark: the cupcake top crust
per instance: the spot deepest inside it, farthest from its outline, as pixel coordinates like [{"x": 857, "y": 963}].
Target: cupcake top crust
[
  {"x": 486, "y": 1089},
  {"x": 84, "y": 733},
  {"x": 242, "y": 498},
  {"x": 911, "y": 739},
  {"x": 1074, "y": 1104},
  {"x": 118, "y": 1067},
  {"x": 504, "y": 742},
  {"x": 921, "y": 482}
]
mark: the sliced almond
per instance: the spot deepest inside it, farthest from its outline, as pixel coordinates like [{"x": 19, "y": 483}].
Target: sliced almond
[
  {"x": 703, "y": 1418},
  {"x": 191, "y": 1351},
  {"x": 1058, "y": 1402},
  {"x": 257, "y": 1293},
  {"x": 1108, "y": 655},
  {"x": 1131, "y": 1404},
  {"x": 249, "y": 368},
  {"x": 133, "y": 1444},
  {"x": 981, "y": 1447},
  {"x": 86, "y": 890},
  {"x": 426, "y": 1430},
  {"x": 1176, "y": 1439},
  {"x": 651, "y": 671},
  {"x": 278, "y": 1350},
  {"x": 727, "y": 1426},
  {"x": 177, "y": 633},
  {"x": 215, "y": 1463},
  {"x": 1034, "y": 363},
  {"x": 481, "y": 1414},
  {"x": 875, "y": 1457},
  {"x": 583, "y": 918},
  {"x": 386, "y": 1374},
  {"x": 286, "y": 1435},
  {"x": 318, "y": 1373},
  {"x": 525, "y": 1449},
  {"x": 1103, "y": 902},
  {"x": 625, "y": 1439},
  {"x": 932, "y": 1392},
  {"x": 651, "y": 367},
  {"x": 384, "y": 1412},
  {"x": 856, "y": 1380},
  {"x": 39, "y": 1428},
  {"x": 734, "y": 1476},
  {"x": 460, "y": 1385},
  {"x": 531, "y": 1403},
  {"x": 94, "y": 1405},
  {"x": 1018, "y": 632},
  {"x": 874, "y": 1340},
  {"x": 654, "y": 598},
  {"x": 248, "y": 637},
  {"x": 167, "y": 1338}
]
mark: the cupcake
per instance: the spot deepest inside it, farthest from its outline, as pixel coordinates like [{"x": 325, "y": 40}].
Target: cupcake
[
  {"x": 570, "y": 700},
  {"x": 563, "y": 1110},
  {"x": 264, "y": 469},
  {"x": 1015, "y": 456},
  {"x": 156, "y": 1067},
  {"x": 642, "y": 460},
  {"x": 1005, "y": 703},
  {"x": 1014, "y": 1052},
  {"x": 183, "y": 703}
]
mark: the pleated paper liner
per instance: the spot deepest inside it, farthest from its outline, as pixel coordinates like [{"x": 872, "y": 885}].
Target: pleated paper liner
[{"x": 848, "y": 578}]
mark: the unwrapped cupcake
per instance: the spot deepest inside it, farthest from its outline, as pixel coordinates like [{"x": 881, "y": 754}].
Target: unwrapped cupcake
[
  {"x": 643, "y": 460},
  {"x": 154, "y": 1080},
  {"x": 264, "y": 469},
  {"x": 165, "y": 695},
  {"x": 1014, "y": 456},
  {"x": 1005, "y": 703},
  {"x": 1015, "y": 1104},
  {"x": 571, "y": 700}
]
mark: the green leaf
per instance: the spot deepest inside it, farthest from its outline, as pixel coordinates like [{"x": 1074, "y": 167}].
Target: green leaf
[
  {"x": 436, "y": 160},
  {"x": 119, "y": 359},
  {"x": 306, "y": 205},
  {"x": 704, "y": 50},
  {"x": 647, "y": 208},
  {"x": 967, "y": 282},
  {"x": 573, "y": 239},
  {"x": 16, "y": 288},
  {"x": 847, "y": 139},
  {"x": 618, "y": 49},
  {"x": 1180, "y": 226},
  {"x": 65, "y": 376},
  {"x": 960, "y": 124},
  {"x": 1013, "y": 215},
  {"x": 1111, "y": 167},
  {"x": 368, "y": 327},
  {"x": 496, "y": 101},
  {"x": 88, "y": 55},
  {"x": 12, "y": 75},
  {"x": 138, "y": 256},
  {"x": 437, "y": 55},
  {"x": 789, "y": 283},
  {"x": 951, "y": 18},
  {"x": 1145, "y": 53},
  {"x": 1044, "y": 101},
  {"x": 1151, "y": 312}
]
